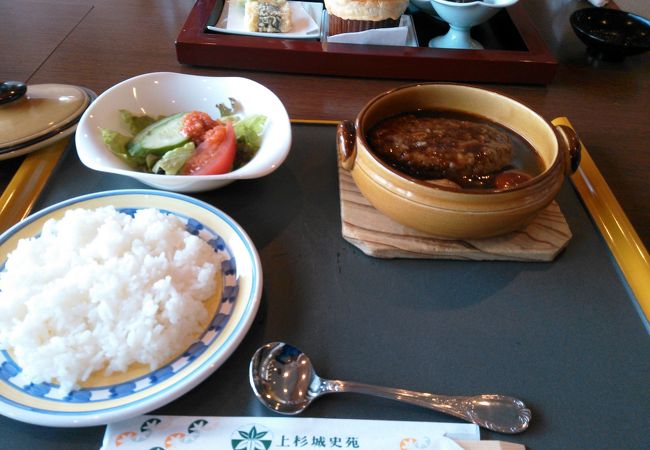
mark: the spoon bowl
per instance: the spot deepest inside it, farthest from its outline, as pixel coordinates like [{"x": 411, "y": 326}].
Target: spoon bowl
[{"x": 284, "y": 380}]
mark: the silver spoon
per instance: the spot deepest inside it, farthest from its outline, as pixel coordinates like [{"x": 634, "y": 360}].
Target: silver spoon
[{"x": 284, "y": 380}]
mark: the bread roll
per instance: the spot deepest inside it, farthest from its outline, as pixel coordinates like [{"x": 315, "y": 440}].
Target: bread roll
[
  {"x": 347, "y": 16},
  {"x": 374, "y": 10}
]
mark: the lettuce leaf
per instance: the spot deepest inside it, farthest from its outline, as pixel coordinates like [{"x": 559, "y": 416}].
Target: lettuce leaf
[
  {"x": 173, "y": 160},
  {"x": 116, "y": 142},
  {"x": 229, "y": 110},
  {"x": 134, "y": 123},
  {"x": 249, "y": 131}
]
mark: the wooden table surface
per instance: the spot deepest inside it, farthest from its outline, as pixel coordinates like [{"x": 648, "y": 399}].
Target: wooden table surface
[{"x": 99, "y": 43}]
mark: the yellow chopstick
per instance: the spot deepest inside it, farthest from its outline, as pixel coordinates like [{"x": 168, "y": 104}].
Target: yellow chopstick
[
  {"x": 315, "y": 122},
  {"x": 23, "y": 190},
  {"x": 621, "y": 237}
]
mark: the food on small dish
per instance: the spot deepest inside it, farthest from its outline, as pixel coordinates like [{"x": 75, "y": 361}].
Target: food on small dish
[
  {"x": 469, "y": 150},
  {"x": 346, "y": 16},
  {"x": 104, "y": 398},
  {"x": 166, "y": 93},
  {"x": 101, "y": 290},
  {"x": 187, "y": 143},
  {"x": 302, "y": 20},
  {"x": 267, "y": 16}
]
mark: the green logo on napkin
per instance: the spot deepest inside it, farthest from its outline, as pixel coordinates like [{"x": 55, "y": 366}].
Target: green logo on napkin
[{"x": 251, "y": 439}]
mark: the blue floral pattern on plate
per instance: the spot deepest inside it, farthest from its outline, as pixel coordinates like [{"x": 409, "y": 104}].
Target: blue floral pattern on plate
[{"x": 10, "y": 372}]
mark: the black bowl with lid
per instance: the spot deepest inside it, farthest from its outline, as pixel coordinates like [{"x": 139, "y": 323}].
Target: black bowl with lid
[{"x": 611, "y": 34}]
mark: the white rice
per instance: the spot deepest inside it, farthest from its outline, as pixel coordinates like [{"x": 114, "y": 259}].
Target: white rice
[{"x": 101, "y": 290}]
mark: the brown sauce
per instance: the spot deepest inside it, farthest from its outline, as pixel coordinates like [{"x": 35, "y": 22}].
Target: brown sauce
[{"x": 468, "y": 149}]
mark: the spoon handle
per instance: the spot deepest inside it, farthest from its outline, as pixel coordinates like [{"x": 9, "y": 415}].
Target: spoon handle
[{"x": 492, "y": 411}]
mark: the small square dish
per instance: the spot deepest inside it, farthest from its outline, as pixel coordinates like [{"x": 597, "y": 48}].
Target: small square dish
[{"x": 305, "y": 21}]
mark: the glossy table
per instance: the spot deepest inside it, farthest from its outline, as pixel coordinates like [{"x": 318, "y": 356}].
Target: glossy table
[{"x": 429, "y": 327}]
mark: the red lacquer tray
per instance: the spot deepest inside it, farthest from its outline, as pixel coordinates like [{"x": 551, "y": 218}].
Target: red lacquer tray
[{"x": 514, "y": 53}]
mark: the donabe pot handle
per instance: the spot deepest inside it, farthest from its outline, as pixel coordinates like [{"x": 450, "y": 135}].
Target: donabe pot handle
[
  {"x": 571, "y": 143},
  {"x": 346, "y": 135}
]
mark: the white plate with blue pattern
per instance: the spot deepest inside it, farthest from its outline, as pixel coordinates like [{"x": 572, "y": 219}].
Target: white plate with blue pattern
[{"x": 102, "y": 399}]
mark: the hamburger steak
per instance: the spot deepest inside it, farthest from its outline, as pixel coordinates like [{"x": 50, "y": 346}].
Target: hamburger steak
[{"x": 427, "y": 146}]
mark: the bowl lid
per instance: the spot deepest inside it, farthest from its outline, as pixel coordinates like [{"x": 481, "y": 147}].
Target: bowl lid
[{"x": 43, "y": 110}]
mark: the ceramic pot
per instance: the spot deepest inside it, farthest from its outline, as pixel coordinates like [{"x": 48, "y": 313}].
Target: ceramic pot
[{"x": 448, "y": 212}]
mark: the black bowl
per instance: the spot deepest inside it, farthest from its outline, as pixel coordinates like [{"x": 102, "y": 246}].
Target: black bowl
[{"x": 611, "y": 34}]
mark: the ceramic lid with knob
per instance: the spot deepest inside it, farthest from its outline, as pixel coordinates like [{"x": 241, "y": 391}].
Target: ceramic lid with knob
[{"x": 37, "y": 113}]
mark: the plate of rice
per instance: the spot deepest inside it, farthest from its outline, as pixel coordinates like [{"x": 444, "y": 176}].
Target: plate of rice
[{"x": 115, "y": 303}]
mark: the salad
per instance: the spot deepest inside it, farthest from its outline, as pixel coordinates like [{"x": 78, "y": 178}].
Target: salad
[{"x": 188, "y": 143}]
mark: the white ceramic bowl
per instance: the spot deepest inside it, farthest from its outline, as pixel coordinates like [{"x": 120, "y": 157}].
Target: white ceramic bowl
[{"x": 165, "y": 93}]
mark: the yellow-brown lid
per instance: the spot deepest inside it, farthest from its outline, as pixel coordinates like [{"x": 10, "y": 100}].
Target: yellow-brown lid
[{"x": 44, "y": 109}]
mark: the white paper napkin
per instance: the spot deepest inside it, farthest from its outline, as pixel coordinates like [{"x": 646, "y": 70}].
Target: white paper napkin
[
  {"x": 380, "y": 36},
  {"x": 598, "y": 2},
  {"x": 264, "y": 433}
]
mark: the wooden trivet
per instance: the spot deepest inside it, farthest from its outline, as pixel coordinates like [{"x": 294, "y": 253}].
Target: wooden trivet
[{"x": 379, "y": 236}]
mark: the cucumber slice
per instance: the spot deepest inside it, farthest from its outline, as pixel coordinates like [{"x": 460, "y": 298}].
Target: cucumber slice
[{"x": 159, "y": 137}]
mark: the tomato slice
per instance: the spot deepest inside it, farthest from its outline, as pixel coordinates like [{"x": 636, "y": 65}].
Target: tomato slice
[
  {"x": 215, "y": 154},
  {"x": 510, "y": 179}
]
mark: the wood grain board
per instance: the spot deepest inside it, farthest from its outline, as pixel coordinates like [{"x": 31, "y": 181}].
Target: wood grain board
[{"x": 379, "y": 236}]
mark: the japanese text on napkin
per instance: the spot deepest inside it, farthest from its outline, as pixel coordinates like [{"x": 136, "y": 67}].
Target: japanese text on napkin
[{"x": 267, "y": 433}]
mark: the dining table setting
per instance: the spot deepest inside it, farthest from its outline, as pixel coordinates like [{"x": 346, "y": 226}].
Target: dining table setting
[{"x": 210, "y": 223}]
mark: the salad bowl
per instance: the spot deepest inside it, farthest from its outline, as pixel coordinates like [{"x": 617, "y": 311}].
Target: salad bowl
[{"x": 165, "y": 94}]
